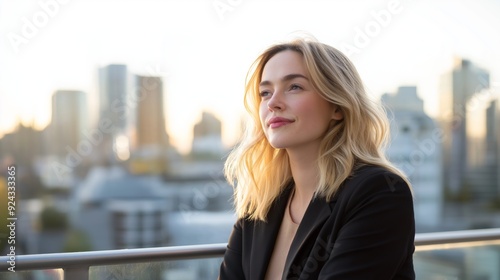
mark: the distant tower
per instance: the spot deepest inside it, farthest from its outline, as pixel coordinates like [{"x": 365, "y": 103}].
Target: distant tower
[
  {"x": 114, "y": 88},
  {"x": 69, "y": 121},
  {"x": 149, "y": 122},
  {"x": 492, "y": 132},
  {"x": 415, "y": 147},
  {"x": 497, "y": 133},
  {"x": 484, "y": 176},
  {"x": 207, "y": 136},
  {"x": 457, "y": 88},
  {"x": 149, "y": 142}
]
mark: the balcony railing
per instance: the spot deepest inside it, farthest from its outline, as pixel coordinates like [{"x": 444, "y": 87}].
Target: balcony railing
[{"x": 76, "y": 265}]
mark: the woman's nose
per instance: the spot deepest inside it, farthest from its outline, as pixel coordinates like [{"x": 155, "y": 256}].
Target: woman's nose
[{"x": 276, "y": 102}]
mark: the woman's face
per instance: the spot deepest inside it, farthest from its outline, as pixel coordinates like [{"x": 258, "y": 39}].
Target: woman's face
[{"x": 292, "y": 114}]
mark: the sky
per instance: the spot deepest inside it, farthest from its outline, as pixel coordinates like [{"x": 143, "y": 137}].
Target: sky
[{"x": 203, "y": 49}]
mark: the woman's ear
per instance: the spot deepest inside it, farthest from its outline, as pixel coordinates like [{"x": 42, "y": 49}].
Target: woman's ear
[{"x": 337, "y": 113}]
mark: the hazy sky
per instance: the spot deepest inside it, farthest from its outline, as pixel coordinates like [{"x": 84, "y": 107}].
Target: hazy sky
[{"x": 203, "y": 48}]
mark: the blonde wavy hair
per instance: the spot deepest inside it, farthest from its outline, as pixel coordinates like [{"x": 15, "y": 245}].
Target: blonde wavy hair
[{"x": 259, "y": 173}]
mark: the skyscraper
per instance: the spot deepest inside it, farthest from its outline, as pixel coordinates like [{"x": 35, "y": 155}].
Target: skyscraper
[
  {"x": 458, "y": 87},
  {"x": 114, "y": 88},
  {"x": 69, "y": 121},
  {"x": 497, "y": 120},
  {"x": 492, "y": 130},
  {"x": 149, "y": 142},
  {"x": 415, "y": 147},
  {"x": 485, "y": 176},
  {"x": 148, "y": 121}
]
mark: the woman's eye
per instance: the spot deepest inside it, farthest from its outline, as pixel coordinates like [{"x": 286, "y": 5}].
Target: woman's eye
[
  {"x": 294, "y": 86},
  {"x": 264, "y": 93}
]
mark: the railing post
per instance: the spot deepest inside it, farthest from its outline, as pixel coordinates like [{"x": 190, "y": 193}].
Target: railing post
[{"x": 76, "y": 273}]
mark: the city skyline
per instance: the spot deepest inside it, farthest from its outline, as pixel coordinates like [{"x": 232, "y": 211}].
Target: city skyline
[{"x": 203, "y": 49}]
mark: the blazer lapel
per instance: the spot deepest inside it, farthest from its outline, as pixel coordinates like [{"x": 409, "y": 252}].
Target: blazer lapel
[
  {"x": 316, "y": 214},
  {"x": 265, "y": 234}
]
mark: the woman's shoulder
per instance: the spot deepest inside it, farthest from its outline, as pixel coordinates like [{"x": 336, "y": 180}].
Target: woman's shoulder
[{"x": 371, "y": 179}]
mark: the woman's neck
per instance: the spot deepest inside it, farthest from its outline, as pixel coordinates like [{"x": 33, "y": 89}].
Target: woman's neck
[{"x": 305, "y": 173}]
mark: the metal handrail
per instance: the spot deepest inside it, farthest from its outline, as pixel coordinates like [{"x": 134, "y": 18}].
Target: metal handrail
[
  {"x": 108, "y": 257},
  {"x": 79, "y": 260},
  {"x": 452, "y": 237}
]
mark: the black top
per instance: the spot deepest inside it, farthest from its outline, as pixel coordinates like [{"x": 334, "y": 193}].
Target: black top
[{"x": 367, "y": 231}]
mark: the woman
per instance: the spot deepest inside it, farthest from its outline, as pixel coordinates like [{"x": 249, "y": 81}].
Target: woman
[{"x": 314, "y": 194}]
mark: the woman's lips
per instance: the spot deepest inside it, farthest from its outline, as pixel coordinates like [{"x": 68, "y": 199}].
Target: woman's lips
[{"x": 279, "y": 122}]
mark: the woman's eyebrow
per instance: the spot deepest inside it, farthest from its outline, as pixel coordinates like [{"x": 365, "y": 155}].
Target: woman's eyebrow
[{"x": 284, "y": 79}]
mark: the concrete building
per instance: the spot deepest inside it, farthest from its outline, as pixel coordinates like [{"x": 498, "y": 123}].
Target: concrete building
[
  {"x": 415, "y": 148},
  {"x": 117, "y": 210},
  {"x": 482, "y": 177},
  {"x": 65, "y": 139},
  {"x": 207, "y": 136},
  {"x": 115, "y": 84},
  {"x": 458, "y": 88},
  {"x": 493, "y": 141},
  {"x": 69, "y": 121},
  {"x": 148, "y": 125},
  {"x": 149, "y": 147},
  {"x": 492, "y": 132},
  {"x": 497, "y": 125}
]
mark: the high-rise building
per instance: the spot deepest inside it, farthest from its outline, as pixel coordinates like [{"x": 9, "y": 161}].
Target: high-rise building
[
  {"x": 458, "y": 88},
  {"x": 492, "y": 130},
  {"x": 484, "y": 176},
  {"x": 114, "y": 88},
  {"x": 415, "y": 147},
  {"x": 497, "y": 127},
  {"x": 148, "y": 125},
  {"x": 69, "y": 121},
  {"x": 149, "y": 141},
  {"x": 498, "y": 146}
]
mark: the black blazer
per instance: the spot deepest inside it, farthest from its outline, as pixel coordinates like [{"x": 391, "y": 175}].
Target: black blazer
[{"x": 367, "y": 231}]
